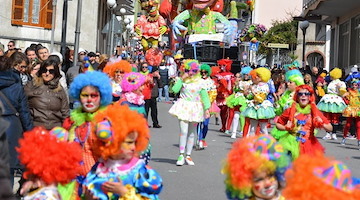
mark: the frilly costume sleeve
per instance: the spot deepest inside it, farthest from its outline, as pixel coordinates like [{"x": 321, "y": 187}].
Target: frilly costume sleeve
[{"x": 141, "y": 181}]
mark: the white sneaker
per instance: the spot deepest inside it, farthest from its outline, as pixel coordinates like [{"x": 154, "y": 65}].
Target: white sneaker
[
  {"x": 227, "y": 132},
  {"x": 181, "y": 160},
  {"x": 333, "y": 136},
  {"x": 189, "y": 161},
  {"x": 327, "y": 137},
  {"x": 201, "y": 144},
  {"x": 233, "y": 135},
  {"x": 343, "y": 141}
]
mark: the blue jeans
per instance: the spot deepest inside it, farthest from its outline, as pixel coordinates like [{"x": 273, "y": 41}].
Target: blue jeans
[{"x": 166, "y": 91}]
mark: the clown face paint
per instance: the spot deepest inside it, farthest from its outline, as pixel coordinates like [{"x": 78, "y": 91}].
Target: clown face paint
[
  {"x": 202, "y": 4},
  {"x": 265, "y": 185},
  {"x": 127, "y": 148},
  {"x": 90, "y": 99}
]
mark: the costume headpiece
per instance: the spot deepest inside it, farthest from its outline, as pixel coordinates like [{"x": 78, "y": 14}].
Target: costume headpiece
[
  {"x": 246, "y": 70},
  {"x": 317, "y": 177},
  {"x": 249, "y": 155},
  {"x": 190, "y": 66},
  {"x": 96, "y": 79},
  {"x": 261, "y": 72},
  {"x": 320, "y": 79},
  {"x": 293, "y": 74},
  {"x": 178, "y": 56},
  {"x": 206, "y": 68},
  {"x": 48, "y": 158},
  {"x": 335, "y": 73},
  {"x": 132, "y": 81},
  {"x": 121, "y": 65},
  {"x": 113, "y": 124},
  {"x": 226, "y": 62}
]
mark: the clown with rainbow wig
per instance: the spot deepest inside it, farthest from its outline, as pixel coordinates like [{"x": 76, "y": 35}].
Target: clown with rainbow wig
[
  {"x": 255, "y": 169},
  {"x": 192, "y": 107}
]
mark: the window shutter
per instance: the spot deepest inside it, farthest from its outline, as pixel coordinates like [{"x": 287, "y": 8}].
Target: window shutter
[
  {"x": 17, "y": 12},
  {"x": 48, "y": 14}
]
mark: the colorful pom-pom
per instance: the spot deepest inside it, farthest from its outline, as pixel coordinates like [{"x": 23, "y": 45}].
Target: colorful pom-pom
[{"x": 61, "y": 133}]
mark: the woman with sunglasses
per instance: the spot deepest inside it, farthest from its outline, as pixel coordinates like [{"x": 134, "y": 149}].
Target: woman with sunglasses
[
  {"x": 191, "y": 108},
  {"x": 48, "y": 101},
  {"x": 299, "y": 121}
]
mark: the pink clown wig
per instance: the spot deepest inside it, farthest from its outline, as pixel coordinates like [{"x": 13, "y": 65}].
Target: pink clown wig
[{"x": 132, "y": 81}]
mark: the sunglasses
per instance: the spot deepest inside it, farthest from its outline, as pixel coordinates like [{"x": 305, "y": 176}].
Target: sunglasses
[
  {"x": 188, "y": 70},
  {"x": 303, "y": 94},
  {"x": 51, "y": 71},
  {"x": 144, "y": 67},
  {"x": 119, "y": 71},
  {"x": 203, "y": 72}
]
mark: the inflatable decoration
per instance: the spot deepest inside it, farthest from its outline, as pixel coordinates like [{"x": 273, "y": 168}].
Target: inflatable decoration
[
  {"x": 153, "y": 56},
  {"x": 150, "y": 26},
  {"x": 252, "y": 32}
]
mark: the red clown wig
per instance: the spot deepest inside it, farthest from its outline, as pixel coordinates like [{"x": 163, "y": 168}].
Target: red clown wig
[
  {"x": 121, "y": 122},
  {"x": 314, "y": 110},
  {"x": 121, "y": 65},
  {"x": 226, "y": 62},
  {"x": 319, "y": 178},
  {"x": 47, "y": 158}
]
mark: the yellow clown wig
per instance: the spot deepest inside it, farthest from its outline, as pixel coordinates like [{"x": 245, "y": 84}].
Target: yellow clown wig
[
  {"x": 251, "y": 155},
  {"x": 336, "y": 73},
  {"x": 316, "y": 177},
  {"x": 113, "y": 125},
  {"x": 263, "y": 73}
]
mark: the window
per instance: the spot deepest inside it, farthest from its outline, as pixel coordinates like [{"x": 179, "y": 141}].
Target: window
[{"x": 32, "y": 13}]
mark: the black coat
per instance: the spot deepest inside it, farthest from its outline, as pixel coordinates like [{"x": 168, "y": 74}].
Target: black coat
[{"x": 10, "y": 86}]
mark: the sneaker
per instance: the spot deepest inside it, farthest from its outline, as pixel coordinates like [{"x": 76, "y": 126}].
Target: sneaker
[
  {"x": 240, "y": 134},
  {"x": 204, "y": 143},
  {"x": 327, "y": 137},
  {"x": 333, "y": 136},
  {"x": 227, "y": 132},
  {"x": 351, "y": 137},
  {"x": 233, "y": 135},
  {"x": 181, "y": 160},
  {"x": 343, "y": 141},
  {"x": 201, "y": 144},
  {"x": 189, "y": 161}
]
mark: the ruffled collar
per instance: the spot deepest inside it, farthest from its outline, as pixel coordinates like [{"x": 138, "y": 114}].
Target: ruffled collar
[
  {"x": 79, "y": 117},
  {"x": 116, "y": 166},
  {"x": 193, "y": 79},
  {"x": 305, "y": 110},
  {"x": 134, "y": 98}
]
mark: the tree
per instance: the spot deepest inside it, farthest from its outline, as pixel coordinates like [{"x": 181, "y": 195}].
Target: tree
[{"x": 284, "y": 32}]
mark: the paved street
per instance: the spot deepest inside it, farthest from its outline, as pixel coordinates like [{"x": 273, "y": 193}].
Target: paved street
[{"x": 204, "y": 180}]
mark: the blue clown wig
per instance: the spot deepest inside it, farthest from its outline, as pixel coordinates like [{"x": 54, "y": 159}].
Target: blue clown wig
[
  {"x": 96, "y": 79},
  {"x": 246, "y": 70}
]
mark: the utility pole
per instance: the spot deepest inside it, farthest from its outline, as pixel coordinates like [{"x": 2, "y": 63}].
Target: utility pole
[
  {"x": 53, "y": 24},
  {"x": 63, "y": 28},
  {"x": 77, "y": 33}
]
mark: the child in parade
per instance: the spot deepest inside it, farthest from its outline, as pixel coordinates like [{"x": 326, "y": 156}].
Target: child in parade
[
  {"x": 259, "y": 110},
  {"x": 116, "y": 71},
  {"x": 224, "y": 81},
  {"x": 237, "y": 100},
  {"x": 299, "y": 121},
  {"x": 332, "y": 104},
  {"x": 320, "y": 90},
  {"x": 255, "y": 168},
  {"x": 190, "y": 108},
  {"x": 352, "y": 112},
  {"x": 121, "y": 134},
  {"x": 316, "y": 177},
  {"x": 205, "y": 71},
  {"x": 49, "y": 161}
]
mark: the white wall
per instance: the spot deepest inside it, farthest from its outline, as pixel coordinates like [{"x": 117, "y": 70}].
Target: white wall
[{"x": 88, "y": 26}]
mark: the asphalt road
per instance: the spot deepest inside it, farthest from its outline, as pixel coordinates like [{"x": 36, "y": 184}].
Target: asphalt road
[{"x": 204, "y": 180}]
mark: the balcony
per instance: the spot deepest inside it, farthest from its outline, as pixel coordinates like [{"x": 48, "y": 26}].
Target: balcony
[{"x": 326, "y": 11}]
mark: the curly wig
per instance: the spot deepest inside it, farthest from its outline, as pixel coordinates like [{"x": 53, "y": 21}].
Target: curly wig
[
  {"x": 96, "y": 79},
  {"x": 206, "y": 68},
  {"x": 190, "y": 65},
  {"x": 226, "y": 62},
  {"x": 121, "y": 65},
  {"x": 245, "y": 70},
  {"x": 132, "y": 81},
  {"x": 215, "y": 70},
  {"x": 263, "y": 73},
  {"x": 123, "y": 121},
  {"x": 317, "y": 178},
  {"x": 47, "y": 158},
  {"x": 295, "y": 76},
  {"x": 249, "y": 155},
  {"x": 335, "y": 73}
]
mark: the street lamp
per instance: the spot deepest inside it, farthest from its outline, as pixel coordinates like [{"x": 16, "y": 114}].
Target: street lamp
[
  {"x": 303, "y": 26},
  {"x": 111, "y": 5}
]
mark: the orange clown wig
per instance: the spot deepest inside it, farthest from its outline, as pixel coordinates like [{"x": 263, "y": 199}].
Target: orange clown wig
[
  {"x": 318, "y": 178},
  {"x": 121, "y": 65},
  {"x": 48, "y": 158},
  {"x": 248, "y": 156},
  {"x": 113, "y": 125}
]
